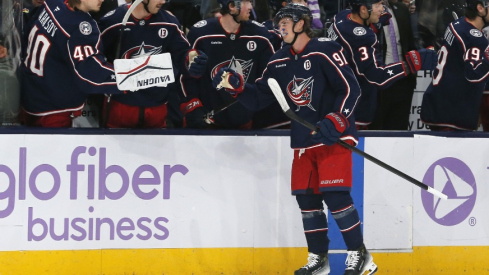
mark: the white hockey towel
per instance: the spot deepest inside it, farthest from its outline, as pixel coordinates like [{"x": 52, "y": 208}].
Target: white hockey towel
[{"x": 144, "y": 72}]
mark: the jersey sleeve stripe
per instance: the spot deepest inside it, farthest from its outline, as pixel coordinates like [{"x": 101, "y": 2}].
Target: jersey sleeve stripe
[
  {"x": 458, "y": 37},
  {"x": 84, "y": 79}
]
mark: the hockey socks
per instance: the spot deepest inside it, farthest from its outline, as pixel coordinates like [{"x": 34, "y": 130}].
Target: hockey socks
[
  {"x": 341, "y": 206},
  {"x": 316, "y": 230}
]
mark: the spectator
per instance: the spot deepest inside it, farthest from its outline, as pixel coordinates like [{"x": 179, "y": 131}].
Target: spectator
[
  {"x": 151, "y": 31},
  {"x": 229, "y": 41},
  {"x": 453, "y": 98},
  {"x": 63, "y": 63},
  {"x": 351, "y": 29},
  {"x": 394, "y": 103}
]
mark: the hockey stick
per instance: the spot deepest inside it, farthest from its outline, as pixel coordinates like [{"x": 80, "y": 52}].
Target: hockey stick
[
  {"x": 118, "y": 53},
  {"x": 277, "y": 92},
  {"x": 208, "y": 117},
  {"x": 455, "y": 16}
]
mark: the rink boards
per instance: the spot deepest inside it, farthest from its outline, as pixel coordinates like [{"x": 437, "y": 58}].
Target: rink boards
[{"x": 183, "y": 204}]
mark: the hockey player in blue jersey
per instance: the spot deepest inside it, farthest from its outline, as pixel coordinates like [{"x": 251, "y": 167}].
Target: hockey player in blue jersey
[
  {"x": 452, "y": 100},
  {"x": 229, "y": 41},
  {"x": 321, "y": 88},
  {"x": 63, "y": 63},
  {"x": 149, "y": 31},
  {"x": 351, "y": 28}
]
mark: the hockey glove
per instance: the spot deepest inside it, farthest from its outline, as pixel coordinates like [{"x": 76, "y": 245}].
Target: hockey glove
[
  {"x": 330, "y": 128},
  {"x": 424, "y": 59},
  {"x": 229, "y": 79},
  {"x": 193, "y": 113},
  {"x": 196, "y": 63},
  {"x": 383, "y": 21}
]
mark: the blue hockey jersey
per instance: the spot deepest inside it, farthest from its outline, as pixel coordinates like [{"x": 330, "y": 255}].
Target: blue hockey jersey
[
  {"x": 363, "y": 53},
  {"x": 250, "y": 46},
  {"x": 315, "y": 82},
  {"x": 158, "y": 33},
  {"x": 63, "y": 61},
  {"x": 454, "y": 95}
]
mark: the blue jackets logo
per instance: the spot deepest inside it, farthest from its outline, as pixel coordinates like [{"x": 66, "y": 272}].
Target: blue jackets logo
[
  {"x": 455, "y": 179},
  {"x": 300, "y": 92}
]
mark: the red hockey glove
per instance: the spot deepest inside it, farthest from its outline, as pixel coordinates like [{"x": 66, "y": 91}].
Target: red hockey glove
[
  {"x": 331, "y": 128},
  {"x": 229, "y": 79},
  {"x": 424, "y": 59},
  {"x": 194, "y": 112}
]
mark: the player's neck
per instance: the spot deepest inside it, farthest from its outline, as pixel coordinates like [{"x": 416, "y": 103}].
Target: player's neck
[
  {"x": 228, "y": 23},
  {"x": 301, "y": 42},
  {"x": 477, "y": 22},
  {"x": 357, "y": 19},
  {"x": 140, "y": 13}
]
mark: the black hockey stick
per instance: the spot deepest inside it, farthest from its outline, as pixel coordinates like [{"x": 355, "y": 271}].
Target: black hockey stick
[
  {"x": 277, "y": 92},
  {"x": 208, "y": 117},
  {"x": 118, "y": 53}
]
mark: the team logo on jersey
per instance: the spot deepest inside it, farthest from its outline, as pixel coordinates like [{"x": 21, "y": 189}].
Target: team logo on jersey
[
  {"x": 251, "y": 46},
  {"x": 109, "y": 13},
  {"x": 85, "y": 28},
  {"x": 476, "y": 32},
  {"x": 163, "y": 32},
  {"x": 141, "y": 50},
  {"x": 307, "y": 65},
  {"x": 300, "y": 92},
  {"x": 359, "y": 31},
  {"x": 245, "y": 65},
  {"x": 323, "y": 39},
  {"x": 142, "y": 23},
  {"x": 200, "y": 24}
]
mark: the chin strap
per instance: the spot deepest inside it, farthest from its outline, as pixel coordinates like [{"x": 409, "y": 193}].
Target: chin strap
[
  {"x": 296, "y": 34},
  {"x": 145, "y": 5}
]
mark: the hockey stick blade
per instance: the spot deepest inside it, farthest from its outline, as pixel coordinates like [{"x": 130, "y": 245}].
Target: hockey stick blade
[{"x": 277, "y": 92}]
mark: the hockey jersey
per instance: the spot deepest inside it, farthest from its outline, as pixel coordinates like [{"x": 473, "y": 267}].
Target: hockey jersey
[
  {"x": 454, "y": 95},
  {"x": 315, "y": 82},
  {"x": 63, "y": 61},
  {"x": 249, "y": 46},
  {"x": 158, "y": 33},
  {"x": 363, "y": 53}
]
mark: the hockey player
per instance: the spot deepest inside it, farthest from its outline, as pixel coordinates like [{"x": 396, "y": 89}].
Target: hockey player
[
  {"x": 149, "y": 31},
  {"x": 229, "y": 41},
  {"x": 63, "y": 63},
  {"x": 452, "y": 100},
  {"x": 320, "y": 87},
  {"x": 351, "y": 29}
]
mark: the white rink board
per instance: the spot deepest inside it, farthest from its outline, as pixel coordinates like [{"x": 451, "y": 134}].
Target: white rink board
[
  {"x": 387, "y": 197},
  {"x": 460, "y": 169},
  {"x": 207, "y": 200}
]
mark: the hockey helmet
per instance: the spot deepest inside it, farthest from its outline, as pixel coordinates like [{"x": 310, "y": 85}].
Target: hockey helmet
[
  {"x": 472, "y": 4},
  {"x": 367, "y": 3},
  {"x": 294, "y": 11},
  {"x": 224, "y": 4}
]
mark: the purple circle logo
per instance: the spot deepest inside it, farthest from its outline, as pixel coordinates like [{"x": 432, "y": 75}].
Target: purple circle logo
[{"x": 455, "y": 179}]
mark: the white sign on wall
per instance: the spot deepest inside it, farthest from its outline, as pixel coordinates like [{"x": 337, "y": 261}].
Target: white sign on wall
[{"x": 90, "y": 192}]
